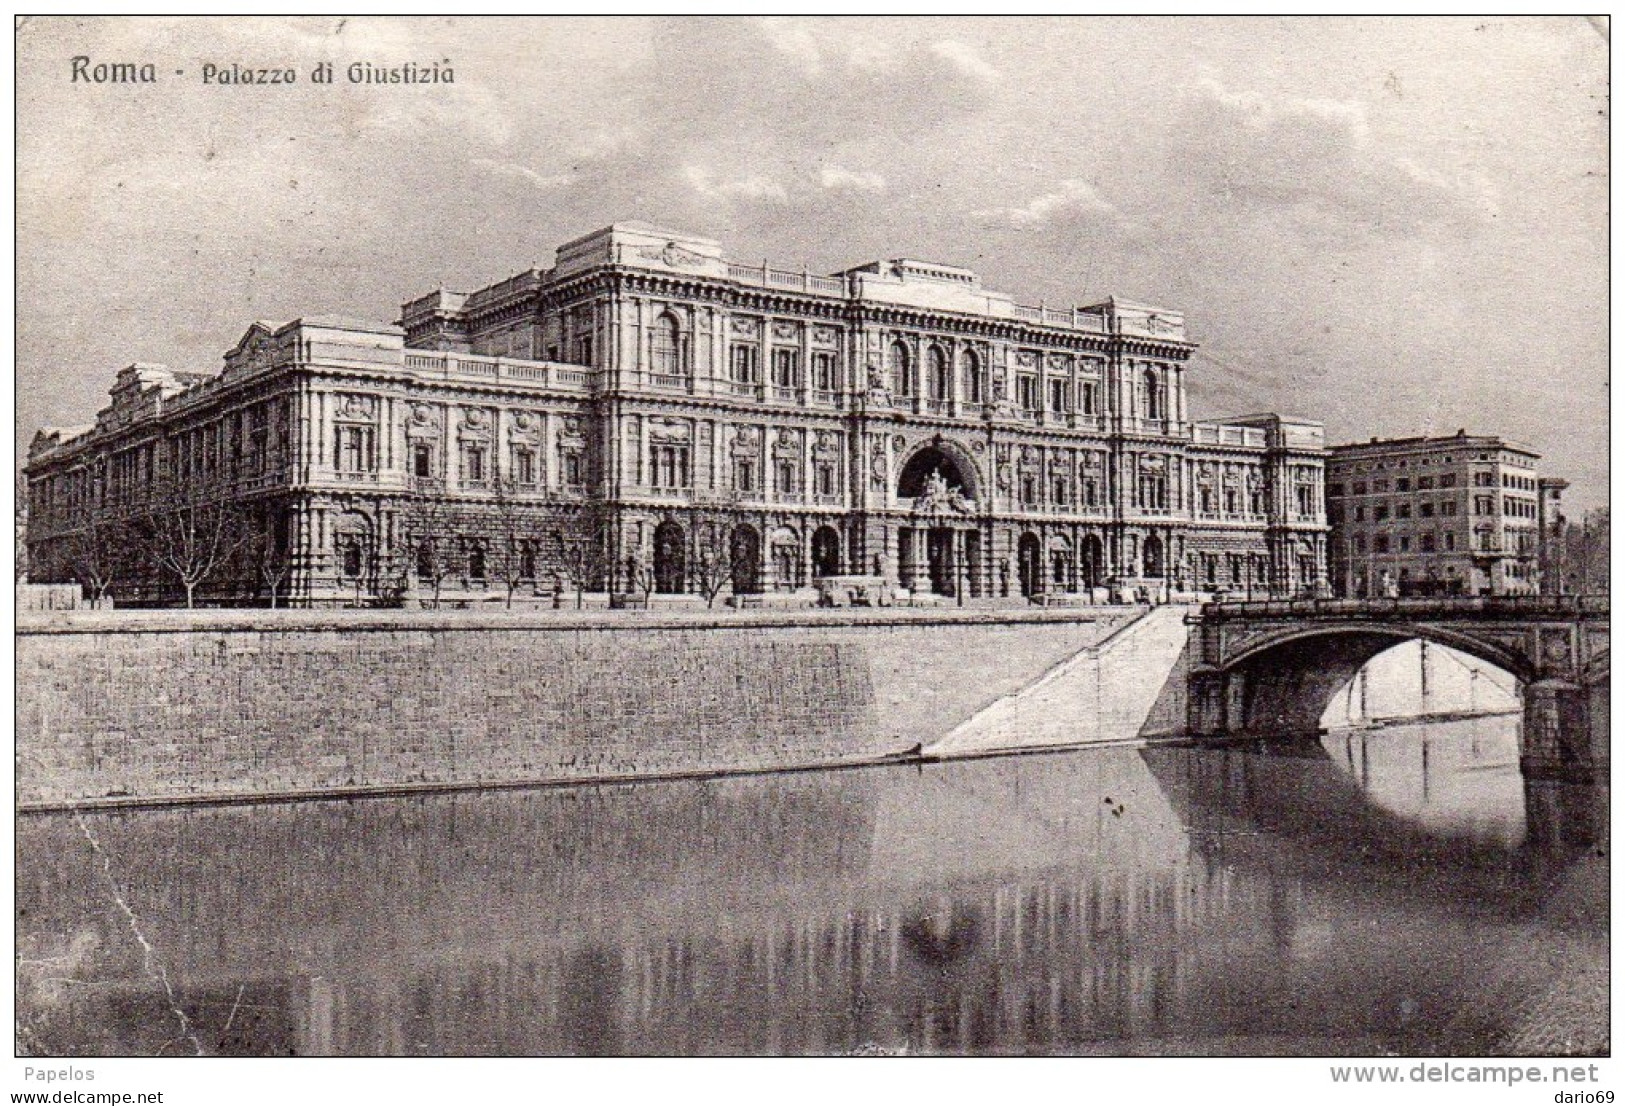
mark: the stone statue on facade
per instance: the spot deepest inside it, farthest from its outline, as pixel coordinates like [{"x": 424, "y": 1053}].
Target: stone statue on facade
[{"x": 939, "y": 498}]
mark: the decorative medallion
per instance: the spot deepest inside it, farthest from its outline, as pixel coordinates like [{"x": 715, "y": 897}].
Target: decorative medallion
[
  {"x": 786, "y": 331},
  {"x": 746, "y": 327},
  {"x": 899, "y": 442}
]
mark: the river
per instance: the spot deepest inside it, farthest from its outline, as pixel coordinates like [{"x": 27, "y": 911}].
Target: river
[{"x": 1390, "y": 890}]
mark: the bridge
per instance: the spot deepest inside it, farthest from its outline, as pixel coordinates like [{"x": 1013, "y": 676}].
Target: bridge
[{"x": 1272, "y": 667}]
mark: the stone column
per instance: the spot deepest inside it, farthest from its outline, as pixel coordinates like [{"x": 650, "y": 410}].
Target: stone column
[{"x": 922, "y": 558}]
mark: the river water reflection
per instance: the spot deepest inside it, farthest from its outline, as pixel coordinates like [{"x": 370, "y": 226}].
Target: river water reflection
[{"x": 1395, "y": 890}]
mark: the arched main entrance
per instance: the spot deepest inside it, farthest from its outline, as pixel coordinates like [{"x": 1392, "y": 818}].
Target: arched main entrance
[
  {"x": 916, "y": 479},
  {"x": 669, "y": 558},
  {"x": 745, "y": 560},
  {"x": 826, "y": 552},
  {"x": 1029, "y": 565}
]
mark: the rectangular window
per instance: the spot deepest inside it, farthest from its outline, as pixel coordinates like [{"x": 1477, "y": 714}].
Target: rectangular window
[
  {"x": 1029, "y": 491},
  {"x": 1087, "y": 390},
  {"x": 1425, "y": 510},
  {"x": 1423, "y": 483},
  {"x": 744, "y": 475},
  {"x": 1359, "y": 487},
  {"x": 354, "y": 452},
  {"x": 1057, "y": 396},
  {"x": 1428, "y": 543},
  {"x": 1306, "y": 499},
  {"x": 1448, "y": 508},
  {"x": 1027, "y": 392},
  {"x": 1359, "y": 514},
  {"x": 1379, "y": 512},
  {"x": 1403, "y": 484},
  {"x": 573, "y": 468},
  {"x": 744, "y": 364},
  {"x": 669, "y": 466},
  {"x": 1447, "y": 480},
  {"x": 1403, "y": 510},
  {"x": 1379, "y": 544},
  {"x": 787, "y": 368},
  {"x": 474, "y": 464},
  {"x": 1334, "y": 490},
  {"x": 824, "y": 476},
  {"x": 1449, "y": 540},
  {"x": 824, "y": 372},
  {"x": 584, "y": 350},
  {"x": 422, "y": 461},
  {"x": 1404, "y": 544},
  {"x": 524, "y": 465},
  {"x": 1231, "y": 501}
]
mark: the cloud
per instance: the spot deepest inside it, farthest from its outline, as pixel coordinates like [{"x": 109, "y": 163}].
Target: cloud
[
  {"x": 965, "y": 59},
  {"x": 1071, "y": 199},
  {"x": 1310, "y": 167},
  {"x": 753, "y": 187},
  {"x": 546, "y": 183},
  {"x": 836, "y": 179}
]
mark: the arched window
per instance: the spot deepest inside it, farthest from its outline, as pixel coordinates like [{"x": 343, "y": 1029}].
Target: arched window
[
  {"x": 939, "y": 383},
  {"x": 970, "y": 368},
  {"x": 902, "y": 376},
  {"x": 666, "y": 346},
  {"x": 1153, "y": 395}
]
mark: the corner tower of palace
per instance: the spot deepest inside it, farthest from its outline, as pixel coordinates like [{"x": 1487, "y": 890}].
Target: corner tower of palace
[{"x": 649, "y": 397}]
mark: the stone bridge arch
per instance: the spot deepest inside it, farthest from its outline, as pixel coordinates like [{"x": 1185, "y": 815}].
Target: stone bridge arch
[
  {"x": 1272, "y": 668},
  {"x": 1282, "y": 681}
]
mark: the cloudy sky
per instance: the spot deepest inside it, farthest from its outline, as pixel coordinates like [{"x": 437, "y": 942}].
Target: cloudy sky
[{"x": 1395, "y": 226}]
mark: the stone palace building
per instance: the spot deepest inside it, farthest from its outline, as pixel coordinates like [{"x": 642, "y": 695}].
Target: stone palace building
[
  {"x": 1466, "y": 514},
  {"x": 649, "y": 413}
]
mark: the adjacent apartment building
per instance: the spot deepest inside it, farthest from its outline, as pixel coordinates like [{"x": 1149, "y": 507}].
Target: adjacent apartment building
[
  {"x": 650, "y": 409},
  {"x": 1459, "y": 515}
]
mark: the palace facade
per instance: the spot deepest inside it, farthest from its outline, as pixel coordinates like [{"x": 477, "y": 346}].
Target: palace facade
[
  {"x": 654, "y": 409},
  {"x": 1466, "y": 514}
]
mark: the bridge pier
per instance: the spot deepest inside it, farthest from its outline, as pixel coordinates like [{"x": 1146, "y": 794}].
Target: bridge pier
[
  {"x": 1215, "y": 704},
  {"x": 1559, "y": 741}
]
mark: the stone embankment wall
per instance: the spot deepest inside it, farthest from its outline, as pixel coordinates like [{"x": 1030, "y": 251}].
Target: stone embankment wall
[{"x": 219, "y": 705}]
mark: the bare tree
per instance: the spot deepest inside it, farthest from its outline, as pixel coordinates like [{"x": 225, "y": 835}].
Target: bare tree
[
  {"x": 584, "y": 554},
  {"x": 188, "y": 536},
  {"x": 640, "y": 576},
  {"x": 713, "y": 566},
  {"x": 269, "y": 560},
  {"x": 95, "y": 551},
  {"x": 513, "y": 548},
  {"x": 430, "y": 540}
]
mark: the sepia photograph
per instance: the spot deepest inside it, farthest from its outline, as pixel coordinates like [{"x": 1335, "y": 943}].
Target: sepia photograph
[{"x": 812, "y": 537}]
